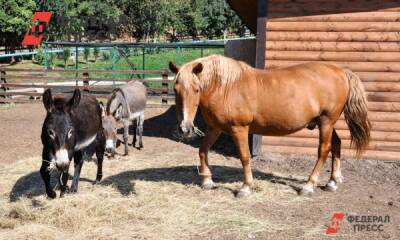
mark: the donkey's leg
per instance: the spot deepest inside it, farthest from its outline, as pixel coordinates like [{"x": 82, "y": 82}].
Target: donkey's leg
[
  {"x": 325, "y": 137},
  {"x": 336, "y": 175},
  {"x": 208, "y": 140},
  {"x": 134, "y": 124},
  {"x": 45, "y": 173},
  {"x": 240, "y": 137},
  {"x": 100, "y": 149},
  {"x": 63, "y": 182},
  {"x": 140, "y": 129},
  {"x": 78, "y": 162},
  {"x": 126, "y": 135}
]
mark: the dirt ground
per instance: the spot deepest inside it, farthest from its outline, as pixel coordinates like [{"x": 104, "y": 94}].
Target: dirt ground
[{"x": 154, "y": 193}]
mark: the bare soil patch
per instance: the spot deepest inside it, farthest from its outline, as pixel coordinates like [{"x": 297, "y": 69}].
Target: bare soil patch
[{"x": 154, "y": 193}]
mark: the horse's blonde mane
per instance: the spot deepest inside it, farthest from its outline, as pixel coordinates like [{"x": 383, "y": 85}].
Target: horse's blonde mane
[{"x": 216, "y": 69}]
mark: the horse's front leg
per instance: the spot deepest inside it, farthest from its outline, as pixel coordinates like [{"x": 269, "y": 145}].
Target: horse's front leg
[
  {"x": 126, "y": 135},
  {"x": 205, "y": 173},
  {"x": 240, "y": 137}
]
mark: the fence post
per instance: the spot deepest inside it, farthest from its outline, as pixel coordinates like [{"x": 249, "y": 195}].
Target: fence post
[
  {"x": 164, "y": 87},
  {"x": 76, "y": 63},
  {"x": 113, "y": 60},
  {"x": 3, "y": 80},
  {"x": 85, "y": 76},
  {"x": 143, "y": 61},
  {"x": 46, "y": 57},
  {"x": 201, "y": 50},
  {"x": 178, "y": 55}
]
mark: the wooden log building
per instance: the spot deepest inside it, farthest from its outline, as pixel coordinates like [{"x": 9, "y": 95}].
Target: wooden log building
[{"x": 362, "y": 35}]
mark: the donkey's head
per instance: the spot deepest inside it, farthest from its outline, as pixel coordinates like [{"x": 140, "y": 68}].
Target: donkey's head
[
  {"x": 110, "y": 127},
  {"x": 187, "y": 96},
  {"x": 58, "y": 133}
]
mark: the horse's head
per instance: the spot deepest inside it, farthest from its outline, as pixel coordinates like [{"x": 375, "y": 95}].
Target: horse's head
[
  {"x": 58, "y": 133},
  {"x": 187, "y": 96},
  {"x": 110, "y": 127}
]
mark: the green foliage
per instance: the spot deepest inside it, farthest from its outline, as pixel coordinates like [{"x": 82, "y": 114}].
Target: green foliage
[
  {"x": 39, "y": 57},
  {"x": 86, "y": 53},
  {"x": 96, "y": 52},
  {"x": 105, "y": 55},
  {"x": 15, "y": 15},
  {"x": 51, "y": 59},
  {"x": 66, "y": 55}
]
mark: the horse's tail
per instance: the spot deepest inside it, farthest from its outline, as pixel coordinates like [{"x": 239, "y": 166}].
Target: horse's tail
[{"x": 356, "y": 114}]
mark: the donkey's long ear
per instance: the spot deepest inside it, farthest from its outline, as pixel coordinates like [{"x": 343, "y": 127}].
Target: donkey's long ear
[
  {"x": 103, "y": 109},
  {"x": 198, "y": 68},
  {"x": 48, "y": 100},
  {"x": 118, "y": 112},
  {"x": 174, "y": 68},
  {"x": 75, "y": 100}
]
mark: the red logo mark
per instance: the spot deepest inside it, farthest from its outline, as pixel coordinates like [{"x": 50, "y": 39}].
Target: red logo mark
[
  {"x": 334, "y": 227},
  {"x": 34, "y": 36}
]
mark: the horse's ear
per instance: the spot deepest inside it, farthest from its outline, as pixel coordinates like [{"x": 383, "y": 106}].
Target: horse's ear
[
  {"x": 198, "y": 68},
  {"x": 48, "y": 100},
  {"x": 118, "y": 112},
  {"x": 174, "y": 68},
  {"x": 103, "y": 109},
  {"x": 75, "y": 100}
]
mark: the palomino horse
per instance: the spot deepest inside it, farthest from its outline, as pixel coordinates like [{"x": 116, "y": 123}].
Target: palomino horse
[{"x": 237, "y": 99}]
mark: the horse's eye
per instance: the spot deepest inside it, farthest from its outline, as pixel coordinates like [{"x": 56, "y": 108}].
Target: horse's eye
[
  {"x": 52, "y": 134},
  {"x": 70, "y": 133}
]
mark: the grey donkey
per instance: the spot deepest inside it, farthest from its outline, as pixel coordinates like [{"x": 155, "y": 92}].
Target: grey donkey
[{"x": 126, "y": 104}]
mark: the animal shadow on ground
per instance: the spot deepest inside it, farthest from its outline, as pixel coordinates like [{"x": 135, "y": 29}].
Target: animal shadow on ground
[
  {"x": 165, "y": 125},
  {"x": 31, "y": 185},
  {"x": 124, "y": 181}
]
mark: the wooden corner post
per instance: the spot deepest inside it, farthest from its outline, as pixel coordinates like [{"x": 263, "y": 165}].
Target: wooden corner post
[{"x": 262, "y": 9}]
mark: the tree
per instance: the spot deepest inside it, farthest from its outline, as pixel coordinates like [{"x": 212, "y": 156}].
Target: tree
[
  {"x": 86, "y": 53},
  {"x": 75, "y": 17},
  {"x": 15, "y": 19}
]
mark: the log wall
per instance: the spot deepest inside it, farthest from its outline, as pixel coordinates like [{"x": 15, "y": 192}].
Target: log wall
[{"x": 363, "y": 36}]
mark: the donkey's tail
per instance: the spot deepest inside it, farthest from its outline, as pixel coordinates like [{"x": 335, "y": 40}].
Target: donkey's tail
[{"x": 356, "y": 114}]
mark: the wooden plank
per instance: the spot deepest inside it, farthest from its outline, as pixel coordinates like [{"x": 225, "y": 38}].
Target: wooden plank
[
  {"x": 381, "y": 87},
  {"x": 314, "y": 142},
  {"x": 22, "y": 78},
  {"x": 344, "y": 134},
  {"x": 93, "y": 88},
  {"x": 376, "y": 126},
  {"x": 334, "y": 26},
  {"x": 354, "y": 66},
  {"x": 339, "y": 17},
  {"x": 334, "y": 36},
  {"x": 153, "y": 72},
  {"x": 333, "y": 46},
  {"x": 384, "y": 106},
  {"x": 383, "y": 97},
  {"x": 379, "y": 76},
  {"x": 373, "y": 155},
  {"x": 333, "y": 56}
]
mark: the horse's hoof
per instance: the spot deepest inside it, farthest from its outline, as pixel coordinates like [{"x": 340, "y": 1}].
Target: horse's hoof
[
  {"x": 306, "y": 190},
  {"x": 331, "y": 186},
  {"x": 339, "y": 179},
  {"x": 208, "y": 185},
  {"x": 243, "y": 192}
]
